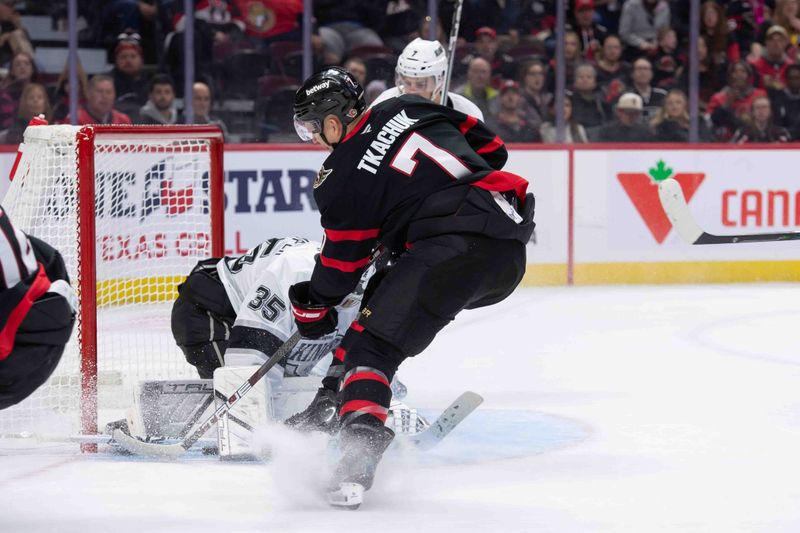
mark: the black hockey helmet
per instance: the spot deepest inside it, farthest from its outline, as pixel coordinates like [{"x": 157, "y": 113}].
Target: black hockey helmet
[{"x": 331, "y": 91}]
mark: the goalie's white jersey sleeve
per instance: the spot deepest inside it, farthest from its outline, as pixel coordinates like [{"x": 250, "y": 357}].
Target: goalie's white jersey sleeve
[
  {"x": 257, "y": 284},
  {"x": 457, "y": 101}
]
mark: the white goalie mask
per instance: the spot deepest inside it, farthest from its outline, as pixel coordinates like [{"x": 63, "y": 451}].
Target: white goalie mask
[{"x": 421, "y": 69}]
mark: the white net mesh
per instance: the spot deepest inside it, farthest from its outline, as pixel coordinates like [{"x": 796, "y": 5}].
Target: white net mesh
[{"x": 153, "y": 224}]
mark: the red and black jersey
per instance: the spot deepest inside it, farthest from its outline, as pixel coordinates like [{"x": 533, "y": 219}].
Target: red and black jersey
[
  {"x": 410, "y": 169},
  {"x": 22, "y": 280}
]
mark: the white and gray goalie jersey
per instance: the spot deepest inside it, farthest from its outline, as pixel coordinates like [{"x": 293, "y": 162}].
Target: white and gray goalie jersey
[{"x": 257, "y": 284}]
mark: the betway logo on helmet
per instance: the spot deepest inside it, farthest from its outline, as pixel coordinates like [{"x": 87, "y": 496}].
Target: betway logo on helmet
[{"x": 318, "y": 87}]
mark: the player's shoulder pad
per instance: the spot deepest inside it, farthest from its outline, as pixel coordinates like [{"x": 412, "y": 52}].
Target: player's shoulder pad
[
  {"x": 465, "y": 105},
  {"x": 392, "y": 92}
]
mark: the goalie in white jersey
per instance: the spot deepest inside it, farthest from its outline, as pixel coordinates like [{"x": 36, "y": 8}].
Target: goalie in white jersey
[
  {"x": 232, "y": 313},
  {"x": 421, "y": 70}
]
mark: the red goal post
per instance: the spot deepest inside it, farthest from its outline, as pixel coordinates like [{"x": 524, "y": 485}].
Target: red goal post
[{"x": 157, "y": 207}]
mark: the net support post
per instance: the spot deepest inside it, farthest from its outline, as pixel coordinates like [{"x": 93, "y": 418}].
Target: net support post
[{"x": 88, "y": 283}]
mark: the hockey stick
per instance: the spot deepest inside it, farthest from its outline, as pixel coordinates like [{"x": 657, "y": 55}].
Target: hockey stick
[
  {"x": 674, "y": 203},
  {"x": 452, "y": 49},
  {"x": 135, "y": 445},
  {"x": 447, "y": 421}
]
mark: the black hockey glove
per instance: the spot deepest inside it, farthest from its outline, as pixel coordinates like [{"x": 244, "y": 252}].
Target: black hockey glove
[{"x": 313, "y": 320}]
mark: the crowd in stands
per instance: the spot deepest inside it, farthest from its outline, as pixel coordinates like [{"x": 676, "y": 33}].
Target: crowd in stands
[{"x": 626, "y": 64}]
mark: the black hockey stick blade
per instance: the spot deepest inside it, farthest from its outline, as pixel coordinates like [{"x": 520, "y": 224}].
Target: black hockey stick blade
[
  {"x": 137, "y": 446},
  {"x": 674, "y": 203}
]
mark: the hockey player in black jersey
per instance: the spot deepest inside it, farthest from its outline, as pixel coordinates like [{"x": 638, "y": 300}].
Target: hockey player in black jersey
[
  {"x": 424, "y": 182},
  {"x": 36, "y": 312}
]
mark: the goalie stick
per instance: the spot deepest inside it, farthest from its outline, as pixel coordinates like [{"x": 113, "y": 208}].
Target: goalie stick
[
  {"x": 674, "y": 203},
  {"x": 455, "y": 413},
  {"x": 137, "y": 446},
  {"x": 451, "y": 417}
]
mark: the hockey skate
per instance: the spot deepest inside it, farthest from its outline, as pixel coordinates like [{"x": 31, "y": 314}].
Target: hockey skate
[
  {"x": 320, "y": 415},
  {"x": 362, "y": 447}
]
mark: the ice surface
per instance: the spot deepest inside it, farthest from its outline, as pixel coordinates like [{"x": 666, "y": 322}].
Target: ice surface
[{"x": 640, "y": 409}]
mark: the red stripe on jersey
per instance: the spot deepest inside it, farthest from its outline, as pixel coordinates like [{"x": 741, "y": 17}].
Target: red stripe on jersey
[
  {"x": 38, "y": 287},
  {"x": 344, "y": 266},
  {"x": 467, "y": 125},
  {"x": 501, "y": 181},
  {"x": 366, "y": 407},
  {"x": 356, "y": 326},
  {"x": 358, "y": 126},
  {"x": 496, "y": 143},
  {"x": 339, "y": 353},
  {"x": 351, "y": 235},
  {"x": 358, "y": 376}
]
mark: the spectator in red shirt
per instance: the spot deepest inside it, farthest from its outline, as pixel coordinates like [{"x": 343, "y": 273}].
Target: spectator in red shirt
[
  {"x": 270, "y": 20},
  {"x": 729, "y": 107},
  {"x": 771, "y": 66},
  {"x": 99, "y": 109}
]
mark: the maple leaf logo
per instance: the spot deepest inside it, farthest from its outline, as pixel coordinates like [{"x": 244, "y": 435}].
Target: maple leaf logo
[
  {"x": 642, "y": 189},
  {"x": 660, "y": 172}
]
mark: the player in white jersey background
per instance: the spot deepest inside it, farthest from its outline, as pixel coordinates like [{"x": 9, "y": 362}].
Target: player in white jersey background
[{"x": 421, "y": 70}]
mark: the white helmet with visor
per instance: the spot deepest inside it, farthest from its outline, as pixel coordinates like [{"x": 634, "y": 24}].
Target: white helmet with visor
[{"x": 421, "y": 69}]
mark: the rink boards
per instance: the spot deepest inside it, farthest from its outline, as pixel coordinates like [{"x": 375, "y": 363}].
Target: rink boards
[{"x": 598, "y": 216}]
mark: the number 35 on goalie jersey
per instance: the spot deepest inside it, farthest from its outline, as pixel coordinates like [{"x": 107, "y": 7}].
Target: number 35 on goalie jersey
[{"x": 257, "y": 284}]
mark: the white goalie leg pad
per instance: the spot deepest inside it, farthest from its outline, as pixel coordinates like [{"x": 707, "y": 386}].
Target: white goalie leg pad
[
  {"x": 169, "y": 408},
  {"x": 294, "y": 395},
  {"x": 254, "y": 410}
]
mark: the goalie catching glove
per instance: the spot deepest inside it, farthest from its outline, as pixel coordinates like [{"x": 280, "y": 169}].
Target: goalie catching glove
[{"x": 313, "y": 320}]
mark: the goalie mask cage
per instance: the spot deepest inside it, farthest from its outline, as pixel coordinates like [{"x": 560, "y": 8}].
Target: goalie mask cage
[{"x": 131, "y": 209}]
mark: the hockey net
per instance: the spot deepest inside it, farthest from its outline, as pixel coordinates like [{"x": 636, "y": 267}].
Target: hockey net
[{"x": 158, "y": 209}]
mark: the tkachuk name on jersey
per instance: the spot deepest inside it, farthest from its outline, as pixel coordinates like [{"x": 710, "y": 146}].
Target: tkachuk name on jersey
[{"x": 383, "y": 141}]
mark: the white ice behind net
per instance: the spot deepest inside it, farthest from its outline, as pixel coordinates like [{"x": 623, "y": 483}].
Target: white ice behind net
[{"x": 152, "y": 225}]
